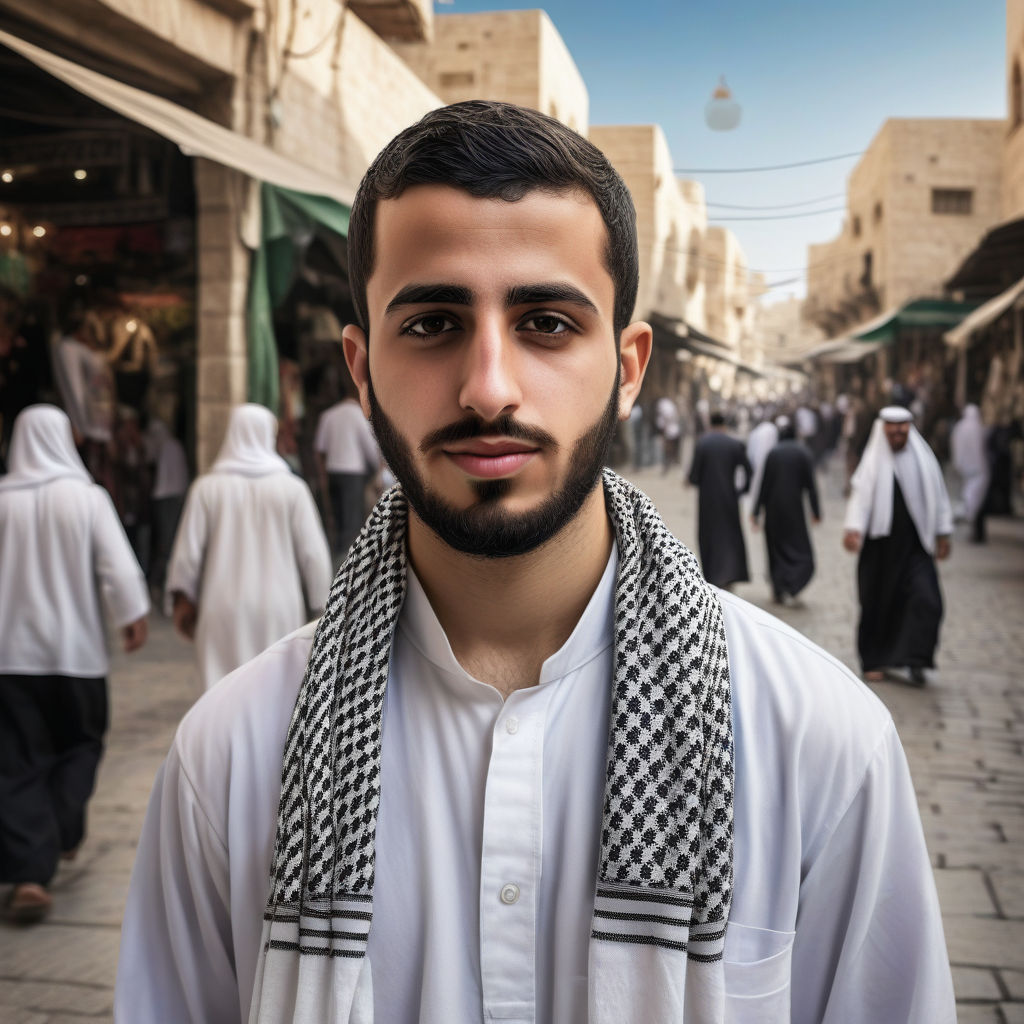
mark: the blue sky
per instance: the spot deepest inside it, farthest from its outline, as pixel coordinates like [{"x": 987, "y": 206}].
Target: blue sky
[{"x": 814, "y": 78}]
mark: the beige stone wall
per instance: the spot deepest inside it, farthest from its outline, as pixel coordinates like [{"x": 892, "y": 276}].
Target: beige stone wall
[
  {"x": 512, "y": 56},
  {"x": 893, "y": 247},
  {"x": 728, "y": 294},
  {"x": 337, "y": 111},
  {"x": 782, "y": 333},
  {"x": 1013, "y": 150},
  {"x": 671, "y": 221}
]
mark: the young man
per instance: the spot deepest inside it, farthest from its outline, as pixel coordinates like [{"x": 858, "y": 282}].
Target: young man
[
  {"x": 64, "y": 561},
  {"x": 900, "y": 520},
  {"x": 250, "y": 558},
  {"x": 510, "y": 744}
]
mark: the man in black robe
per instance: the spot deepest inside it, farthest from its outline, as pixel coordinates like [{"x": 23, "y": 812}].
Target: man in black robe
[
  {"x": 900, "y": 519},
  {"x": 788, "y": 475},
  {"x": 716, "y": 457}
]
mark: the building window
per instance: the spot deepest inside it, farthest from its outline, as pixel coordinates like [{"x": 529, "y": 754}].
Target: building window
[
  {"x": 878, "y": 213},
  {"x": 456, "y": 79},
  {"x": 856, "y": 227},
  {"x": 953, "y": 200},
  {"x": 1016, "y": 96},
  {"x": 865, "y": 278}
]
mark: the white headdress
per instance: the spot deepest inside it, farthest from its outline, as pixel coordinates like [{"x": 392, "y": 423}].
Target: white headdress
[{"x": 42, "y": 449}]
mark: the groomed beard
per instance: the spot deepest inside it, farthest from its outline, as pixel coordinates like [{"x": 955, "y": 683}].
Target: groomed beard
[{"x": 485, "y": 528}]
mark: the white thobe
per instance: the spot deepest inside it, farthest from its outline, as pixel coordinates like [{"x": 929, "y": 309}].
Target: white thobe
[
  {"x": 969, "y": 457},
  {"x": 251, "y": 553},
  {"x": 763, "y": 438},
  {"x": 489, "y": 829},
  {"x": 64, "y": 558}
]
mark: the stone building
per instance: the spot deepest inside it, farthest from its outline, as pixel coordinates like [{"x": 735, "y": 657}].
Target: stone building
[
  {"x": 315, "y": 82},
  {"x": 509, "y": 56},
  {"x": 1013, "y": 150},
  {"x": 917, "y": 202}
]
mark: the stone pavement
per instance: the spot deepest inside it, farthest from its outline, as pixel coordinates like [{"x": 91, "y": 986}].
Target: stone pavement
[{"x": 963, "y": 735}]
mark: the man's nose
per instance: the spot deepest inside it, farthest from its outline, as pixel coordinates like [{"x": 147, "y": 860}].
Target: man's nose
[{"x": 489, "y": 386}]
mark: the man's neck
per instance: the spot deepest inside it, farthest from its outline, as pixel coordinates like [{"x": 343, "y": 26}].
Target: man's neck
[{"x": 504, "y": 616}]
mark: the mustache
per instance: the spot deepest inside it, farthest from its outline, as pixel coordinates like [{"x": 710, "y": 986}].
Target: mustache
[{"x": 503, "y": 426}]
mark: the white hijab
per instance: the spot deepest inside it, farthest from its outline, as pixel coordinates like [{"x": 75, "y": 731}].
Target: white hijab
[
  {"x": 42, "y": 449},
  {"x": 870, "y": 507},
  {"x": 249, "y": 445}
]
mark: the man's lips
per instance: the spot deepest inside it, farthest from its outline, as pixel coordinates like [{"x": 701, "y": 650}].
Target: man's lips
[{"x": 491, "y": 460}]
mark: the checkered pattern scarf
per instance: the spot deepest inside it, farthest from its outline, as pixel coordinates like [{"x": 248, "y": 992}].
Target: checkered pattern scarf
[{"x": 665, "y": 871}]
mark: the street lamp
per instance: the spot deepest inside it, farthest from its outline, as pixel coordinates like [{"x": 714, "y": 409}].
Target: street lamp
[{"x": 722, "y": 113}]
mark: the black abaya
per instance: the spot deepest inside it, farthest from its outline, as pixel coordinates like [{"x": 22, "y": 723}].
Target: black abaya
[
  {"x": 723, "y": 554},
  {"x": 900, "y": 599},
  {"x": 788, "y": 473}
]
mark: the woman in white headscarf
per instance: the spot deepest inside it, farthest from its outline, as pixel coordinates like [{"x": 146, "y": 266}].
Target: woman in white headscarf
[
  {"x": 970, "y": 460},
  {"x": 64, "y": 561},
  {"x": 250, "y": 560}
]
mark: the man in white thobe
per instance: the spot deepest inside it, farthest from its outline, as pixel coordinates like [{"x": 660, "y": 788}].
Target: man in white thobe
[
  {"x": 762, "y": 439},
  {"x": 64, "y": 561},
  {"x": 250, "y": 559},
  {"x": 451, "y": 835},
  {"x": 969, "y": 453}
]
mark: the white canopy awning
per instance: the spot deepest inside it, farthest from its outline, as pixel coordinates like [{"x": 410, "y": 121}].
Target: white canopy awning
[
  {"x": 195, "y": 135},
  {"x": 960, "y": 336}
]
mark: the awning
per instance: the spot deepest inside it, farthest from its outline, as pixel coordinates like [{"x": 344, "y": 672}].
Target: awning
[
  {"x": 994, "y": 264},
  {"x": 194, "y": 135},
  {"x": 935, "y": 313},
  {"x": 962, "y": 335},
  {"x": 672, "y": 332},
  {"x": 883, "y": 329},
  {"x": 853, "y": 352}
]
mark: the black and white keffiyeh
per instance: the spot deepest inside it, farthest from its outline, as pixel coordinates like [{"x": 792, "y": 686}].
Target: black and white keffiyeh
[{"x": 664, "y": 882}]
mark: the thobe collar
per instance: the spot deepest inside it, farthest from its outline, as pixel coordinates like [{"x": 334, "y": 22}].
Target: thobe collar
[{"x": 591, "y": 636}]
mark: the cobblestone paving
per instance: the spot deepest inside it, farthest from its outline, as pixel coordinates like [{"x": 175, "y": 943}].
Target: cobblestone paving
[{"x": 963, "y": 735}]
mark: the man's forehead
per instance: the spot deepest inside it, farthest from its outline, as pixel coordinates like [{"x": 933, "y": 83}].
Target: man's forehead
[{"x": 436, "y": 233}]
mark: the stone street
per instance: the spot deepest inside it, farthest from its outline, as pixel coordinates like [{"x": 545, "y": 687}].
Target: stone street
[{"x": 963, "y": 735}]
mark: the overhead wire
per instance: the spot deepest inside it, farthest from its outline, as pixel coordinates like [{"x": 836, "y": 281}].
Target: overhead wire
[
  {"x": 783, "y": 216},
  {"x": 778, "y": 206},
  {"x": 770, "y": 167}
]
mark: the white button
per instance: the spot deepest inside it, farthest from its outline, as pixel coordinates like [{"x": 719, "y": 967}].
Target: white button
[
  {"x": 512, "y": 725},
  {"x": 509, "y": 893}
]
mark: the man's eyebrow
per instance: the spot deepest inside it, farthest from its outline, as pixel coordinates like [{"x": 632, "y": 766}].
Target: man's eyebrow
[
  {"x": 526, "y": 294},
  {"x": 419, "y": 294}
]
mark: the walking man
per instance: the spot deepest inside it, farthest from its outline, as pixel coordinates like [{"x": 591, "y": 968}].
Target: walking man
[
  {"x": 347, "y": 458},
  {"x": 64, "y": 560},
  {"x": 716, "y": 458},
  {"x": 250, "y": 560},
  {"x": 788, "y": 476},
  {"x": 512, "y": 788},
  {"x": 900, "y": 520},
  {"x": 761, "y": 440},
  {"x": 969, "y": 451}
]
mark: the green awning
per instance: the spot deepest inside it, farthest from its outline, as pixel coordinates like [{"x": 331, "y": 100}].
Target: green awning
[
  {"x": 940, "y": 314},
  {"x": 287, "y": 217}
]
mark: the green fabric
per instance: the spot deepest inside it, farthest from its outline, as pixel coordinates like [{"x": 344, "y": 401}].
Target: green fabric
[
  {"x": 288, "y": 221},
  {"x": 936, "y": 313}
]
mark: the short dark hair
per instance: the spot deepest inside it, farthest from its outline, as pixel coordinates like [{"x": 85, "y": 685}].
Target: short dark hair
[
  {"x": 496, "y": 151},
  {"x": 718, "y": 419}
]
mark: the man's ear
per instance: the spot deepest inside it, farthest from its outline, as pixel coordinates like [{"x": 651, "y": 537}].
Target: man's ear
[
  {"x": 353, "y": 341},
  {"x": 634, "y": 355}
]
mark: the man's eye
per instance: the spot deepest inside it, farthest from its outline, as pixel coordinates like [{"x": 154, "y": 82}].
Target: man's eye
[
  {"x": 546, "y": 325},
  {"x": 430, "y": 325}
]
